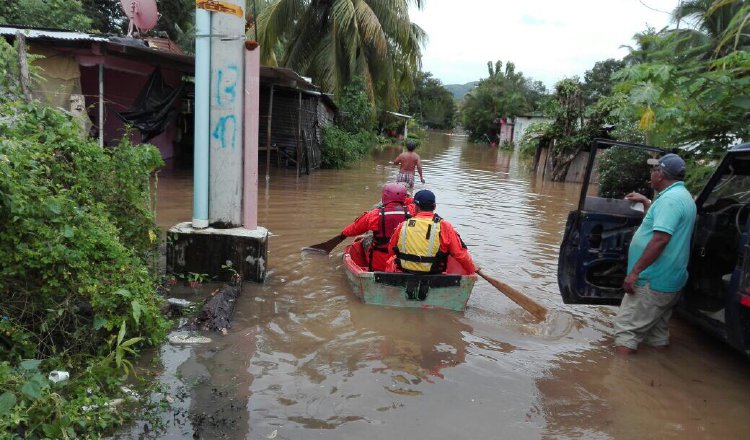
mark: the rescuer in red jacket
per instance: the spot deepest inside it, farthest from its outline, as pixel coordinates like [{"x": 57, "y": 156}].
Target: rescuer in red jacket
[
  {"x": 423, "y": 243},
  {"x": 381, "y": 220}
]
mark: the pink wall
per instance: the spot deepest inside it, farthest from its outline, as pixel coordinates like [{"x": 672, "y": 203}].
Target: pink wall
[{"x": 121, "y": 88}]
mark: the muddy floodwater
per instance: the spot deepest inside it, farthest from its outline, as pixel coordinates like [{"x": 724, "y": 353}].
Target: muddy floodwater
[{"x": 305, "y": 359}]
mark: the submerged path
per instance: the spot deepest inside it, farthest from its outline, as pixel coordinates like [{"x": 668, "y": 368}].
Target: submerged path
[{"x": 306, "y": 360}]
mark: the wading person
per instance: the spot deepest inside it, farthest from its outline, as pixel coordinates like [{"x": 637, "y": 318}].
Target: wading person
[
  {"x": 657, "y": 259},
  {"x": 407, "y": 162},
  {"x": 381, "y": 220},
  {"x": 423, "y": 243}
]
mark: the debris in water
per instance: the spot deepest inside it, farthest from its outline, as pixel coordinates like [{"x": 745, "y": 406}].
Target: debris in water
[
  {"x": 185, "y": 339},
  {"x": 179, "y": 302},
  {"x": 273, "y": 434}
]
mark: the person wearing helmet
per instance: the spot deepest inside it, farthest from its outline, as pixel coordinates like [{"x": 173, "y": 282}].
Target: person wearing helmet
[
  {"x": 381, "y": 220},
  {"x": 408, "y": 161},
  {"x": 423, "y": 243}
]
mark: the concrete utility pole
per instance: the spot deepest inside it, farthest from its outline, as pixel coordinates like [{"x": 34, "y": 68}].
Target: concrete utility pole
[
  {"x": 226, "y": 118},
  {"x": 227, "y": 88}
]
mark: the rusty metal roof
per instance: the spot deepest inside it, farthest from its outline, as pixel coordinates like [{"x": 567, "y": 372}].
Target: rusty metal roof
[
  {"x": 160, "y": 51},
  {"x": 51, "y": 34}
]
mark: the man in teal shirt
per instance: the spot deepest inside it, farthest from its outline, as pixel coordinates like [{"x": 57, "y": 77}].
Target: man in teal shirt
[{"x": 657, "y": 259}]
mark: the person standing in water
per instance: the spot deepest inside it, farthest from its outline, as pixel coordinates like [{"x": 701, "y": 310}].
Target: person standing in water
[{"x": 408, "y": 161}]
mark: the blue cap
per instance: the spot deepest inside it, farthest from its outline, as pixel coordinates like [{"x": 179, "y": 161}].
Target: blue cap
[
  {"x": 425, "y": 199},
  {"x": 671, "y": 165}
]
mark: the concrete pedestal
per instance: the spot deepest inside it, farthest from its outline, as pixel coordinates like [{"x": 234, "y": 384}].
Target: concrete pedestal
[{"x": 206, "y": 250}]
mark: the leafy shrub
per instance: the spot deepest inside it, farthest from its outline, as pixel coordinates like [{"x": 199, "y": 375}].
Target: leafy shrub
[
  {"x": 77, "y": 225},
  {"x": 77, "y": 233},
  {"x": 341, "y": 148},
  {"x": 532, "y": 136},
  {"x": 356, "y": 111},
  {"x": 697, "y": 174},
  {"x": 624, "y": 170}
]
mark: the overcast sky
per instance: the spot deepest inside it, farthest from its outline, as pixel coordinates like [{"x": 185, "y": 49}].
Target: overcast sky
[{"x": 546, "y": 39}]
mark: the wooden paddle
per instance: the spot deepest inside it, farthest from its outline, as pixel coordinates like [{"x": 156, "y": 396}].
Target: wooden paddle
[
  {"x": 327, "y": 246},
  {"x": 531, "y": 306}
]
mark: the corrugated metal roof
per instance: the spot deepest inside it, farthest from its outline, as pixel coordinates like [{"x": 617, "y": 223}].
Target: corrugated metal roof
[{"x": 56, "y": 35}]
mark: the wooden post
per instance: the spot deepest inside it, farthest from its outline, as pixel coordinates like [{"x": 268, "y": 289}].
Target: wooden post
[
  {"x": 101, "y": 105},
  {"x": 268, "y": 136},
  {"x": 23, "y": 64},
  {"x": 299, "y": 130}
]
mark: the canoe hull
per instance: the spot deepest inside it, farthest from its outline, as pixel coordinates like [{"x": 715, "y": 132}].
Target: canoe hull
[{"x": 449, "y": 291}]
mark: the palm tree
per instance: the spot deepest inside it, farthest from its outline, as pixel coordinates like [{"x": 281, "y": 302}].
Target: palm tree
[
  {"x": 333, "y": 41},
  {"x": 713, "y": 19}
]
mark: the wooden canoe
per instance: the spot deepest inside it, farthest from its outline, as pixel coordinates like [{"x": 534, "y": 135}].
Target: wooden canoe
[{"x": 450, "y": 290}]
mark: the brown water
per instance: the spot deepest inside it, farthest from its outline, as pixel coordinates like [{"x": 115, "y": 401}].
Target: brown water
[{"x": 306, "y": 360}]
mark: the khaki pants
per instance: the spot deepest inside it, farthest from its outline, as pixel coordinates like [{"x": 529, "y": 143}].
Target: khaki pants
[{"x": 644, "y": 317}]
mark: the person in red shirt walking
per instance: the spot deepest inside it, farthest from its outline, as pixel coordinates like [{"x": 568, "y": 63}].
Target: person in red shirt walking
[
  {"x": 382, "y": 220},
  {"x": 423, "y": 243}
]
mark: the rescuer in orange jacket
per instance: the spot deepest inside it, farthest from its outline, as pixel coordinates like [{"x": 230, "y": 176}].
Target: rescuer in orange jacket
[
  {"x": 423, "y": 243},
  {"x": 381, "y": 220}
]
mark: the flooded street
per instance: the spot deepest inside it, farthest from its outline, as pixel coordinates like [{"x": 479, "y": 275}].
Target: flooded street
[{"x": 305, "y": 359}]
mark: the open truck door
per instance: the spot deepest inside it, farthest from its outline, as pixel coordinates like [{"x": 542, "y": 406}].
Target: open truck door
[
  {"x": 594, "y": 249},
  {"x": 593, "y": 254}
]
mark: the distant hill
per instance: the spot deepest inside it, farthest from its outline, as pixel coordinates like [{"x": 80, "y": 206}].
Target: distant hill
[{"x": 459, "y": 90}]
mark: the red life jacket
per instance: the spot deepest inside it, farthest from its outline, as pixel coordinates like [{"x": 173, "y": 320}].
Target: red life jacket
[{"x": 389, "y": 217}]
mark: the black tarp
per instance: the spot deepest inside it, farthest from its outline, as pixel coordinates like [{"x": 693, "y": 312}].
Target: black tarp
[{"x": 153, "y": 108}]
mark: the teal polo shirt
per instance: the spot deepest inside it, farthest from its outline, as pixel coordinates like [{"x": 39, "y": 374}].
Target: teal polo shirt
[{"x": 673, "y": 212}]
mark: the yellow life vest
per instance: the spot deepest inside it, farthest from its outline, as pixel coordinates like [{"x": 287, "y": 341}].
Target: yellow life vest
[{"x": 418, "y": 248}]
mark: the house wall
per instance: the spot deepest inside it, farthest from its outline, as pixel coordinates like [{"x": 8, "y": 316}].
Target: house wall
[
  {"x": 285, "y": 124},
  {"x": 522, "y": 123},
  {"x": 121, "y": 88},
  {"x": 576, "y": 171}
]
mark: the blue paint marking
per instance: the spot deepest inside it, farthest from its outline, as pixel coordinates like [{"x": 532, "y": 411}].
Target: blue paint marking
[
  {"x": 226, "y": 88},
  {"x": 220, "y": 132}
]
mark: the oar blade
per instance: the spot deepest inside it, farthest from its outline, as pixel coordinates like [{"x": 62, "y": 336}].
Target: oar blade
[
  {"x": 326, "y": 247},
  {"x": 528, "y": 304}
]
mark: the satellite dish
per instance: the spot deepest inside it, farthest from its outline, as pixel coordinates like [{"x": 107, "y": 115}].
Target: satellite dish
[{"x": 142, "y": 14}]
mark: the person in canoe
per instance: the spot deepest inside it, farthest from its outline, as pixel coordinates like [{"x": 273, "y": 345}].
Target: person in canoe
[
  {"x": 381, "y": 220},
  {"x": 423, "y": 243}
]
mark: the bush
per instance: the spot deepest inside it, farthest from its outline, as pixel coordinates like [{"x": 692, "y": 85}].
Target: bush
[
  {"x": 356, "y": 112},
  {"x": 77, "y": 292},
  {"x": 78, "y": 226},
  {"x": 624, "y": 170},
  {"x": 697, "y": 174},
  {"x": 535, "y": 133},
  {"x": 341, "y": 148}
]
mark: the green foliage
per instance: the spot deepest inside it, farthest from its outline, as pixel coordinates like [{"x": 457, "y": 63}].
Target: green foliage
[
  {"x": 432, "y": 103},
  {"x": 120, "y": 348},
  {"x": 534, "y": 134},
  {"x": 697, "y": 173},
  {"x": 33, "y": 407},
  {"x": 688, "y": 86},
  {"x": 574, "y": 126},
  {"x": 61, "y": 14},
  {"x": 76, "y": 236},
  {"x": 341, "y": 148},
  {"x": 622, "y": 171},
  {"x": 10, "y": 85},
  {"x": 598, "y": 81},
  {"x": 107, "y": 16},
  {"x": 335, "y": 42},
  {"x": 504, "y": 94},
  {"x": 356, "y": 113}
]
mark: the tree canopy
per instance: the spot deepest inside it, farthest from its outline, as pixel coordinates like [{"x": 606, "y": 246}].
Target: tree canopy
[
  {"x": 338, "y": 40},
  {"x": 432, "y": 103},
  {"x": 504, "y": 94}
]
